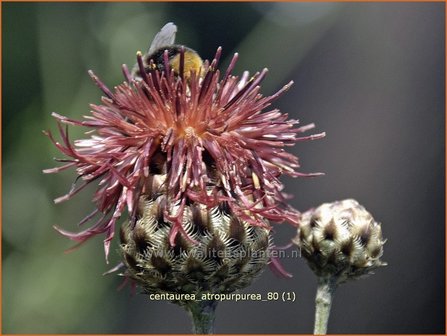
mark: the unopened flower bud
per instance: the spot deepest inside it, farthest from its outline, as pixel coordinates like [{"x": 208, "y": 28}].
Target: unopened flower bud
[{"x": 340, "y": 239}]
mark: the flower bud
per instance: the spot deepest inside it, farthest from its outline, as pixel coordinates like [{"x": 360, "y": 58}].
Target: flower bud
[{"x": 340, "y": 239}]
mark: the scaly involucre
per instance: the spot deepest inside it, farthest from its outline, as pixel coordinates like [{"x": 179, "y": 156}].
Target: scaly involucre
[{"x": 214, "y": 138}]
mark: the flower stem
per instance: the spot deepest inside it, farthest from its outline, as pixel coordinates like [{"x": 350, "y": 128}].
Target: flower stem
[
  {"x": 203, "y": 314},
  {"x": 323, "y": 301}
]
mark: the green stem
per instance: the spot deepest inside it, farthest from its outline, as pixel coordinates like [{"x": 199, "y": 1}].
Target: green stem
[
  {"x": 323, "y": 301},
  {"x": 203, "y": 314}
]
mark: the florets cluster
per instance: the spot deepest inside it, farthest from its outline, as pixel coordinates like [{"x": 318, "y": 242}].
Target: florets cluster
[{"x": 213, "y": 138}]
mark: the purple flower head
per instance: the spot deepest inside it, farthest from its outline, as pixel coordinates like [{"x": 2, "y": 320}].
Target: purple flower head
[{"x": 213, "y": 137}]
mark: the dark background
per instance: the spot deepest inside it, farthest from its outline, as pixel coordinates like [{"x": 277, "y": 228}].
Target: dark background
[{"x": 369, "y": 74}]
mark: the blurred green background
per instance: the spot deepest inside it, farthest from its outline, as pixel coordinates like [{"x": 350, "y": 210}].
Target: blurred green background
[{"x": 370, "y": 75}]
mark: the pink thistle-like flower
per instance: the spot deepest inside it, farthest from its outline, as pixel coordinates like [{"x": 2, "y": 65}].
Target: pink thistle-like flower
[{"x": 214, "y": 138}]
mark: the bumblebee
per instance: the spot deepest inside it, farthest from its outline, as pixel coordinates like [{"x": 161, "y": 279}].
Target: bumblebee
[{"x": 164, "y": 41}]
